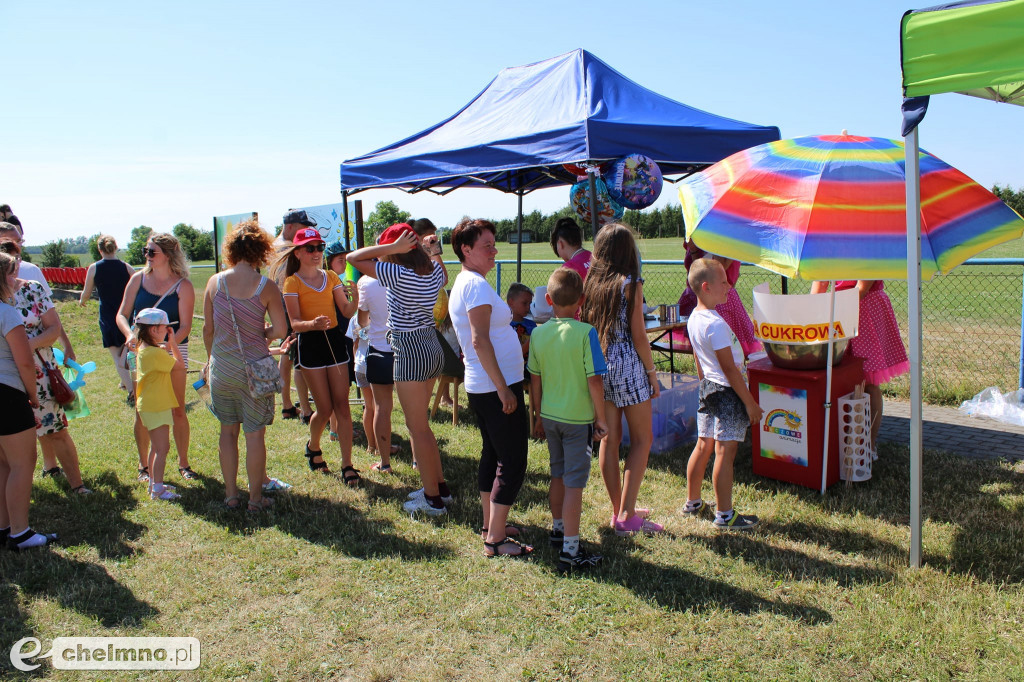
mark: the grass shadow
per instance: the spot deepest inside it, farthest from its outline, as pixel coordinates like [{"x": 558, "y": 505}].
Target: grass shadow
[
  {"x": 56, "y": 509},
  {"x": 333, "y": 524},
  {"x": 677, "y": 589}
]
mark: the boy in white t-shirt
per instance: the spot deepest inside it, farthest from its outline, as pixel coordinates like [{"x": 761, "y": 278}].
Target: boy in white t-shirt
[{"x": 726, "y": 406}]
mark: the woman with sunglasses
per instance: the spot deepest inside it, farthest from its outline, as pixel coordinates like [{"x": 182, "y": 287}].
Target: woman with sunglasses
[
  {"x": 44, "y": 328},
  {"x": 310, "y": 296},
  {"x": 162, "y": 284}
]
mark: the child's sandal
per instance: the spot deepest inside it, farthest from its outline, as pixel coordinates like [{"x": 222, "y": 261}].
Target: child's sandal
[
  {"x": 263, "y": 505},
  {"x": 351, "y": 476},
  {"x": 320, "y": 466},
  {"x": 381, "y": 467}
]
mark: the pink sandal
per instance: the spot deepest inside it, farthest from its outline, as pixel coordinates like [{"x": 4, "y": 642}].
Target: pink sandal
[{"x": 637, "y": 524}]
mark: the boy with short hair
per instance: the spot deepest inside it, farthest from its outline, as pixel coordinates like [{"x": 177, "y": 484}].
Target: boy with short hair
[
  {"x": 566, "y": 365},
  {"x": 519, "y": 297},
  {"x": 726, "y": 406}
]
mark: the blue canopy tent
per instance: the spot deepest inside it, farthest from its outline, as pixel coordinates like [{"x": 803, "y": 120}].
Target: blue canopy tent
[{"x": 516, "y": 134}]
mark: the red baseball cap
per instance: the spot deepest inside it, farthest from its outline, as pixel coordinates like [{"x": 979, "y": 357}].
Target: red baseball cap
[
  {"x": 391, "y": 235},
  {"x": 306, "y": 235}
]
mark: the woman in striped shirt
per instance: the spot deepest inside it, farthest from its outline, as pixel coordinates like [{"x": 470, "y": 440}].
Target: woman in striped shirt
[{"x": 412, "y": 279}]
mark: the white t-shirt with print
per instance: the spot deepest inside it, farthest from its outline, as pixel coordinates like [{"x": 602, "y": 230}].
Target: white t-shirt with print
[
  {"x": 373, "y": 298},
  {"x": 471, "y": 291},
  {"x": 708, "y": 333}
]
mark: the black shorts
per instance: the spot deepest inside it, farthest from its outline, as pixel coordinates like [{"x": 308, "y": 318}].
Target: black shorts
[
  {"x": 319, "y": 349},
  {"x": 18, "y": 414},
  {"x": 380, "y": 367}
]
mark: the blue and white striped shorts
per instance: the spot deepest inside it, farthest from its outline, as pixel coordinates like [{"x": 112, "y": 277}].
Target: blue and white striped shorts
[{"x": 418, "y": 354}]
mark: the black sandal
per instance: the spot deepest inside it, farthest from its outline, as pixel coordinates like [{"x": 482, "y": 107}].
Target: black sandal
[
  {"x": 187, "y": 473},
  {"x": 144, "y": 474},
  {"x": 350, "y": 475},
  {"x": 55, "y": 472},
  {"x": 320, "y": 466},
  {"x": 524, "y": 550},
  {"x": 290, "y": 412}
]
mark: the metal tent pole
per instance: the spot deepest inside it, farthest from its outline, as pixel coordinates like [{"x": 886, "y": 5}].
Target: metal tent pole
[
  {"x": 592, "y": 193},
  {"x": 357, "y": 207},
  {"x": 519, "y": 241},
  {"x": 913, "y": 175},
  {"x": 344, "y": 217}
]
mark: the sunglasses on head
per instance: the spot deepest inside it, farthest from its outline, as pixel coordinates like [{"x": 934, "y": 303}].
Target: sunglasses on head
[
  {"x": 149, "y": 252},
  {"x": 313, "y": 248}
]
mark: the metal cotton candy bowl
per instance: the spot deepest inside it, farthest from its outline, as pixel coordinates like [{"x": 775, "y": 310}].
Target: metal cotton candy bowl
[
  {"x": 793, "y": 328},
  {"x": 797, "y": 356}
]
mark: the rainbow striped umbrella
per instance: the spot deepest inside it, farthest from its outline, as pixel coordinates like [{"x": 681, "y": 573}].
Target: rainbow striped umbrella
[{"x": 829, "y": 207}]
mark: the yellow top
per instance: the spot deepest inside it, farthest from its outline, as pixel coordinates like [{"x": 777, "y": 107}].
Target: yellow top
[
  {"x": 314, "y": 302},
  {"x": 155, "y": 393}
]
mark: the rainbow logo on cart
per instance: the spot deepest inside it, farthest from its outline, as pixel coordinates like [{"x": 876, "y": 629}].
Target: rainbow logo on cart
[{"x": 783, "y": 423}]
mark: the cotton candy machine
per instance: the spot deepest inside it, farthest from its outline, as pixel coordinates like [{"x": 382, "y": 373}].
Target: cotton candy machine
[
  {"x": 793, "y": 356},
  {"x": 794, "y": 329}
]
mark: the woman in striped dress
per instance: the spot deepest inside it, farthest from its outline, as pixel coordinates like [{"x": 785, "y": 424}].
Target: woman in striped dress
[
  {"x": 252, "y": 296},
  {"x": 412, "y": 279}
]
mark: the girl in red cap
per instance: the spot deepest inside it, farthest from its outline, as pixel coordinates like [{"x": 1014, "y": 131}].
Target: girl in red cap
[
  {"x": 412, "y": 280},
  {"x": 310, "y": 296}
]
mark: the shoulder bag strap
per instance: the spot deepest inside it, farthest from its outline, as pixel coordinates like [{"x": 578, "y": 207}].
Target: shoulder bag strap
[
  {"x": 174, "y": 287},
  {"x": 231, "y": 310}
]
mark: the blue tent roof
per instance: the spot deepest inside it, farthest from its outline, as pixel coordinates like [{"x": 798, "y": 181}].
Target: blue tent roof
[{"x": 517, "y": 133}]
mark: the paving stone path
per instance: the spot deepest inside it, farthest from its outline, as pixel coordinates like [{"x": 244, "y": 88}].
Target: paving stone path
[{"x": 947, "y": 429}]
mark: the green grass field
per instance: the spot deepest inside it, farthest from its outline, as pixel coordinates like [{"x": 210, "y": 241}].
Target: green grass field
[{"x": 336, "y": 583}]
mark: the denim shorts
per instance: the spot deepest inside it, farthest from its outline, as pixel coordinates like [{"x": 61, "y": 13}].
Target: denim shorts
[{"x": 720, "y": 413}]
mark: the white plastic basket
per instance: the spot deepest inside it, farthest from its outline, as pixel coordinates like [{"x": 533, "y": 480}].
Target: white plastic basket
[{"x": 854, "y": 438}]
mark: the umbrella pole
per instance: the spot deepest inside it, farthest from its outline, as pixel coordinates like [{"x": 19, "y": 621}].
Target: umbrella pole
[
  {"x": 828, "y": 383},
  {"x": 913, "y": 174}
]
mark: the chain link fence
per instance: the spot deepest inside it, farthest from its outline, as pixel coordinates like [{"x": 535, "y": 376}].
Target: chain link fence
[{"x": 971, "y": 318}]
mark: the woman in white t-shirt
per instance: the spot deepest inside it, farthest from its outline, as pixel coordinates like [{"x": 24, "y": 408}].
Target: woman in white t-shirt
[
  {"x": 494, "y": 382},
  {"x": 412, "y": 279}
]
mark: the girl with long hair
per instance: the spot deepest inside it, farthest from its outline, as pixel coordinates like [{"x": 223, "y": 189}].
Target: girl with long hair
[
  {"x": 412, "y": 280},
  {"x": 613, "y": 304},
  {"x": 312, "y": 297}
]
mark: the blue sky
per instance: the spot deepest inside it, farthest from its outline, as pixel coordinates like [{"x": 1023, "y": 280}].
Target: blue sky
[{"x": 118, "y": 114}]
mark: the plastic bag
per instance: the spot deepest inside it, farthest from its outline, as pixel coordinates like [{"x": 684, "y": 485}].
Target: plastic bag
[
  {"x": 991, "y": 403},
  {"x": 78, "y": 407}
]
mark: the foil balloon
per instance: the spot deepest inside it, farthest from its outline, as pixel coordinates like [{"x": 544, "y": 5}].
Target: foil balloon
[
  {"x": 576, "y": 169},
  {"x": 607, "y": 209},
  {"x": 634, "y": 181}
]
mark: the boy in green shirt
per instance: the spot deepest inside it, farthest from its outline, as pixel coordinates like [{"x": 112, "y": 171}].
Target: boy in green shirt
[{"x": 566, "y": 364}]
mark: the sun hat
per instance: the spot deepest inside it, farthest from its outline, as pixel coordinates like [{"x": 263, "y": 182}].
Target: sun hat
[
  {"x": 151, "y": 316},
  {"x": 391, "y": 235},
  {"x": 336, "y": 248},
  {"x": 299, "y": 217},
  {"x": 306, "y": 236}
]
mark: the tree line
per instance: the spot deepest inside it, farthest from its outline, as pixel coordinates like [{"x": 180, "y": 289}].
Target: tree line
[
  {"x": 63, "y": 253},
  {"x": 656, "y": 222}
]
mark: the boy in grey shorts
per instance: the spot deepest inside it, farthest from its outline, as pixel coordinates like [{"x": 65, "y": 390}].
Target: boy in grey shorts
[
  {"x": 726, "y": 408},
  {"x": 564, "y": 393}
]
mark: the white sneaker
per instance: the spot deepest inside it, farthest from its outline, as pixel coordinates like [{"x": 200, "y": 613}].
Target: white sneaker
[
  {"x": 421, "y": 495},
  {"x": 420, "y": 504},
  {"x": 165, "y": 495}
]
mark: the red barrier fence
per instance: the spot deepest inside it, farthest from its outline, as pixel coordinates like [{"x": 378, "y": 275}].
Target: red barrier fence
[{"x": 65, "y": 276}]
